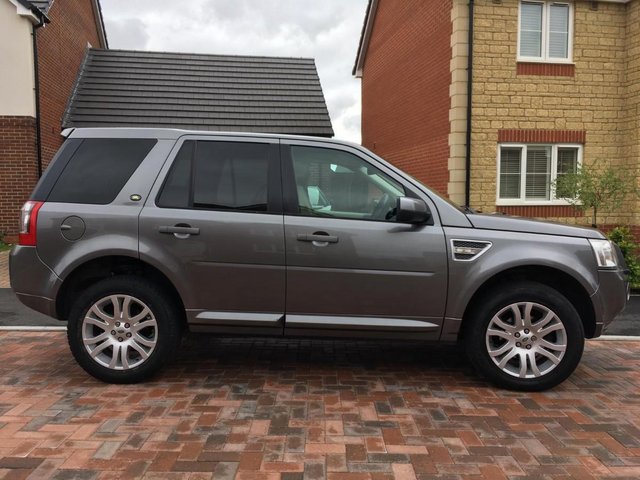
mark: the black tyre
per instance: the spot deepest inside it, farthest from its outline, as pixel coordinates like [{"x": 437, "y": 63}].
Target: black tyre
[
  {"x": 123, "y": 329},
  {"x": 525, "y": 336}
]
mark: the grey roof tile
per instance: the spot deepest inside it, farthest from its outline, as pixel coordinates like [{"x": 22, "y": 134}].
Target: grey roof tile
[{"x": 201, "y": 92}]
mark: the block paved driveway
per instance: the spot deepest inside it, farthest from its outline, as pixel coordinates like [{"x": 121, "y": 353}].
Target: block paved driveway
[{"x": 293, "y": 409}]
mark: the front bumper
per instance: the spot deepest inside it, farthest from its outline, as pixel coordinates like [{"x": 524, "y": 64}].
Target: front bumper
[
  {"x": 610, "y": 299},
  {"x": 33, "y": 282}
]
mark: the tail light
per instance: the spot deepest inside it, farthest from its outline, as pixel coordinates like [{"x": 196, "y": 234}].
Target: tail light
[{"x": 28, "y": 223}]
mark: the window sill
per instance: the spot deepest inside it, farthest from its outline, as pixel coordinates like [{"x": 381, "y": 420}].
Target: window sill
[
  {"x": 532, "y": 203},
  {"x": 551, "y": 61},
  {"x": 546, "y": 69}
]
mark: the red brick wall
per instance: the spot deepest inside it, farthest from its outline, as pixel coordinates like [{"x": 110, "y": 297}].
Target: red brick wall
[
  {"x": 18, "y": 172},
  {"x": 405, "y": 88},
  {"x": 61, "y": 49},
  {"x": 542, "y": 136},
  {"x": 540, "y": 211}
]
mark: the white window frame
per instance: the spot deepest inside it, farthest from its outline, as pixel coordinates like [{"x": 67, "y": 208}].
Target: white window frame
[
  {"x": 546, "y": 19},
  {"x": 523, "y": 173}
]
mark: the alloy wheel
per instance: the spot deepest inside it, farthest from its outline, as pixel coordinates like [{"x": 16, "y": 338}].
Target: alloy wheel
[
  {"x": 526, "y": 340},
  {"x": 119, "y": 332}
]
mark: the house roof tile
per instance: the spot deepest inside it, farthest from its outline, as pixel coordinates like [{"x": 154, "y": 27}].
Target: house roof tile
[{"x": 201, "y": 92}]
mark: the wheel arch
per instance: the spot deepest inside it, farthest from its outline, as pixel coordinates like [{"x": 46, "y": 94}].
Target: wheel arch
[
  {"x": 561, "y": 281},
  {"x": 96, "y": 269}
]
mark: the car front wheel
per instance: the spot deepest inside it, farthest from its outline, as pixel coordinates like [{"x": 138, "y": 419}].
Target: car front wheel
[
  {"x": 123, "y": 329},
  {"x": 525, "y": 337}
]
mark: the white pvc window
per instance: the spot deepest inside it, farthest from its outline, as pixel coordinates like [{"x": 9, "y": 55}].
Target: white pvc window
[
  {"x": 545, "y": 31},
  {"x": 527, "y": 173}
]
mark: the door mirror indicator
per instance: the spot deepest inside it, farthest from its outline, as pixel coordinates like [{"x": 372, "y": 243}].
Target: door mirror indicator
[{"x": 412, "y": 210}]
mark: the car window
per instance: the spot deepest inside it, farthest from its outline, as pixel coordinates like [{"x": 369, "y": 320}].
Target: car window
[
  {"x": 99, "y": 169},
  {"x": 334, "y": 183},
  {"x": 176, "y": 189},
  {"x": 218, "y": 176}
]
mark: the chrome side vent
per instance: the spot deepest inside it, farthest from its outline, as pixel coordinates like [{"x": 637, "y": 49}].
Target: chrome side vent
[{"x": 468, "y": 250}]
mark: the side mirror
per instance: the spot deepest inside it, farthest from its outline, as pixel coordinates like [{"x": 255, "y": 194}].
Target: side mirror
[{"x": 412, "y": 210}]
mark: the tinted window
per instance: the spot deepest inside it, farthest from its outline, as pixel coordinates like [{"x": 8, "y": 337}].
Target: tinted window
[
  {"x": 175, "y": 192},
  {"x": 333, "y": 183},
  {"x": 218, "y": 175},
  {"x": 99, "y": 169},
  {"x": 55, "y": 168}
]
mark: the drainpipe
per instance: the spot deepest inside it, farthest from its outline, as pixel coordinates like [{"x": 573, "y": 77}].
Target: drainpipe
[
  {"x": 37, "y": 94},
  {"x": 467, "y": 186}
]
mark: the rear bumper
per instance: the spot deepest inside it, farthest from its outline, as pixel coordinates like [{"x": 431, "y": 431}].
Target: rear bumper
[
  {"x": 610, "y": 299},
  {"x": 33, "y": 282}
]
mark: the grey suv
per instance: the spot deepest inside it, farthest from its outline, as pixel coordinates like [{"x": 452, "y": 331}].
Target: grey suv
[{"x": 137, "y": 235}]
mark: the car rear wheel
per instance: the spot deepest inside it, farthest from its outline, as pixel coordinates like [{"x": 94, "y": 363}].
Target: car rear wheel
[
  {"x": 526, "y": 336},
  {"x": 123, "y": 330}
]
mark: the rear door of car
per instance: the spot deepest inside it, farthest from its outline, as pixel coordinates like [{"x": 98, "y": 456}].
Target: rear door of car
[
  {"x": 351, "y": 268},
  {"x": 214, "y": 224}
]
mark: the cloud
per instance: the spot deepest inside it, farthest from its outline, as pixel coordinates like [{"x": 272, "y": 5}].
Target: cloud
[
  {"x": 127, "y": 31},
  {"x": 327, "y": 31}
]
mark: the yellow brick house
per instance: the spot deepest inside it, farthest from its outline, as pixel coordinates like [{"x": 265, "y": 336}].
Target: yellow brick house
[{"x": 553, "y": 84}]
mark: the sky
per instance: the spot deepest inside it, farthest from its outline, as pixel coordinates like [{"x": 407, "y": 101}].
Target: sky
[{"x": 327, "y": 30}]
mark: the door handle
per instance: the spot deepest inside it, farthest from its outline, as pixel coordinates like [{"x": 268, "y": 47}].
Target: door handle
[
  {"x": 319, "y": 237},
  {"x": 182, "y": 230}
]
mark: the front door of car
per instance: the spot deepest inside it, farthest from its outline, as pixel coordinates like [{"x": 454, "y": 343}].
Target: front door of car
[
  {"x": 214, "y": 225},
  {"x": 351, "y": 267}
]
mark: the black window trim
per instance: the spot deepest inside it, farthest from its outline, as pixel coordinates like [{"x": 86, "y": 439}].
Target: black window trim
[{"x": 274, "y": 183}]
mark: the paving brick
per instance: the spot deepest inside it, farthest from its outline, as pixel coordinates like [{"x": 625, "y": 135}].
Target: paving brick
[{"x": 446, "y": 422}]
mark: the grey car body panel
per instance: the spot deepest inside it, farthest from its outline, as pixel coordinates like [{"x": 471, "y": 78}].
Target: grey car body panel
[
  {"x": 235, "y": 264},
  {"x": 572, "y": 255},
  {"x": 389, "y": 280},
  {"x": 609, "y": 300},
  {"x": 227, "y": 267},
  {"x": 527, "y": 225},
  {"x": 371, "y": 271},
  {"x": 33, "y": 282}
]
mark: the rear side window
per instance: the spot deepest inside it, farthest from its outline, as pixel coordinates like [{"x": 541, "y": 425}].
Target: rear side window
[
  {"x": 99, "y": 169},
  {"x": 176, "y": 189},
  {"x": 218, "y": 176}
]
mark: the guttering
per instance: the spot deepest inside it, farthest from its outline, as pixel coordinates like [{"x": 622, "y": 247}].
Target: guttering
[
  {"x": 467, "y": 183},
  {"x": 37, "y": 94},
  {"x": 38, "y": 19}
]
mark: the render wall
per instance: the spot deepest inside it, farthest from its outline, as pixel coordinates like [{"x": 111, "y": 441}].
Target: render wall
[
  {"x": 582, "y": 101},
  {"x": 405, "y": 88},
  {"x": 16, "y": 63}
]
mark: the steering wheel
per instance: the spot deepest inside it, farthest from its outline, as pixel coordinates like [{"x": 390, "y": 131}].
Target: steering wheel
[{"x": 383, "y": 207}]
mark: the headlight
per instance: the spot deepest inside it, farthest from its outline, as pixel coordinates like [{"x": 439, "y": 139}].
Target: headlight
[{"x": 605, "y": 255}]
